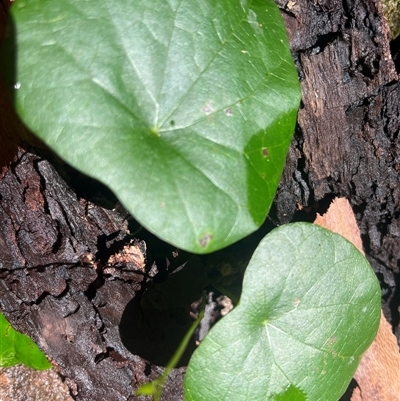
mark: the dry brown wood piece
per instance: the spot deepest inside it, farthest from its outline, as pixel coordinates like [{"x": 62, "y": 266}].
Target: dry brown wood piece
[
  {"x": 378, "y": 375},
  {"x": 340, "y": 219}
]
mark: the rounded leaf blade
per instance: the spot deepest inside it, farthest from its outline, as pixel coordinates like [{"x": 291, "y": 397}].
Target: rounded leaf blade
[
  {"x": 185, "y": 109},
  {"x": 310, "y": 307}
]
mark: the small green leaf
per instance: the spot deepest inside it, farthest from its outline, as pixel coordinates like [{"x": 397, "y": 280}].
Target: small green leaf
[
  {"x": 309, "y": 309},
  {"x": 185, "y": 109},
  {"x": 18, "y": 348}
]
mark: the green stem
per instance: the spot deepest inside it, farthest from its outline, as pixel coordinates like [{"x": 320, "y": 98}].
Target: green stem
[
  {"x": 154, "y": 388},
  {"x": 222, "y": 290},
  {"x": 136, "y": 231}
]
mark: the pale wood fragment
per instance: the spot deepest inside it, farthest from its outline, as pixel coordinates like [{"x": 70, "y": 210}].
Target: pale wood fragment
[
  {"x": 378, "y": 375},
  {"x": 340, "y": 219}
]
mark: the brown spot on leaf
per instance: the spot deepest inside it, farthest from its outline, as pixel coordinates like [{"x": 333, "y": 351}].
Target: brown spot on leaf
[
  {"x": 332, "y": 340},
  {"x": 228, "y": 112},
  {"x": 205, "y": 240},
  {"x": 208, "y": 108},
  {"x": 264, "y": 152}
]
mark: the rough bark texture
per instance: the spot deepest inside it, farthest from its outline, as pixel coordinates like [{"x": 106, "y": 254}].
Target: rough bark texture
[
  {"x": 57, "y": 283},
  {"x": 347, "y": 142},
  {"x": 58, "y": 286}
]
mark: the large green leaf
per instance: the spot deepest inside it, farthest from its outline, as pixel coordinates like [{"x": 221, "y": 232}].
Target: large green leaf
[
  {"x": 310, "y": 307},
  {"x": 18, "y": 348},
  {"x": 184, "y": 108}
]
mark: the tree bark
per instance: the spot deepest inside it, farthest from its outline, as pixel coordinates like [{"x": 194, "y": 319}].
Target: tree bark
[
  {"x": 69, "y": 268},
  {"x": 346, "y": 143}
]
